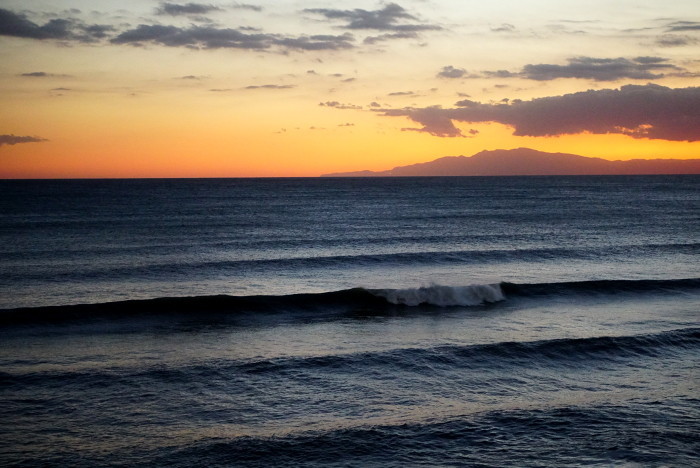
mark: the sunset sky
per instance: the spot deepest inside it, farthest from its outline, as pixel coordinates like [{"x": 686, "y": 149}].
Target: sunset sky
[{"x": 217, "y": 88}]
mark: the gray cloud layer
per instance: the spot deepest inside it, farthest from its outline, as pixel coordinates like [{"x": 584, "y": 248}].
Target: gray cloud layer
[
  {"x": 648, "y": 111},
  {"x": 14, "y": 140}
]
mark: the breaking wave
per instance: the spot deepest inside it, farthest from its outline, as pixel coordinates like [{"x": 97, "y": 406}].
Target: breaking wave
[
  {"x": 356, "y": 299},
  {"x": 443, "y": 296}
]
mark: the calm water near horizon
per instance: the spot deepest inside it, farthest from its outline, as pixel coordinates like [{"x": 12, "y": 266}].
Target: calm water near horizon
[{"x": 484, "y": 321}]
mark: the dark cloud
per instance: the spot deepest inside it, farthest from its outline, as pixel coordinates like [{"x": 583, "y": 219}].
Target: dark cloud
[
  {"x": 402, "y": 93},
  {"x": 14, "y": 140},
  {"x": 270, "y": 86},
  {"x": 339, "y": 105},
  {"x": 600, "y": 69},
  {"x": 206, "y": 37},
  {"x": 648, "y": 111},
  {"x": 13, "y": 24},
  {"x": 392, "y": 17},
  {"x": 174, "y": 9},
  {"x": 451, "y": 72}
]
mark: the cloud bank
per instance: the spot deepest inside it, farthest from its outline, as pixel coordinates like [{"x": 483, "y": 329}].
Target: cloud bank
[{"x": 649, "y": 111}]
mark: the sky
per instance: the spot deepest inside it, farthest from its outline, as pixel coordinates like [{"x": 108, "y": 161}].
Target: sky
[{"x": 148, "y": 88}]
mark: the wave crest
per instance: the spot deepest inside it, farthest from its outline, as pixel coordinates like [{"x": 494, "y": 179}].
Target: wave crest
[{"x": 443, "y": 296}]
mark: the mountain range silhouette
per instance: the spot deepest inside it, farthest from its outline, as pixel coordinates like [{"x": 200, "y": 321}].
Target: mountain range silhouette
[{"x": 526, "y": 161}]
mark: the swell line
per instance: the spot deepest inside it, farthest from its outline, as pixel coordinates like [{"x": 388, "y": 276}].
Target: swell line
[
  {"x": 313, "y": 260},
  {"x": 490, "y": 357}
]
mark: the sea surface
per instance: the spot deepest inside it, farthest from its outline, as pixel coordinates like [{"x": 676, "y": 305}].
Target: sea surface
[{"x": 476, "y": 321}]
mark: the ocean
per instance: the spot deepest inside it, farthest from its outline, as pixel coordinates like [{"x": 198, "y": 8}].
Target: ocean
[{"x": 388, "y": 322}]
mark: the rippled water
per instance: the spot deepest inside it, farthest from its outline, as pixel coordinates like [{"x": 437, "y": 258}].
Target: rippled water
[{"x": 549, "y": 321}]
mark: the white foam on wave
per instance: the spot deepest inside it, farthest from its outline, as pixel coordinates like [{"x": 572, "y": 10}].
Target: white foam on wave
[{"x": 444, "y": 296}]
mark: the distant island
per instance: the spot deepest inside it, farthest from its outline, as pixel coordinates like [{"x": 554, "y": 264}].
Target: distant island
[{"x": 526, "y": 161}]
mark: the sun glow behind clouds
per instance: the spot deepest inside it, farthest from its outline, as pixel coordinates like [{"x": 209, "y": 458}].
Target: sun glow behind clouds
[{"x": 206, "y": 89}]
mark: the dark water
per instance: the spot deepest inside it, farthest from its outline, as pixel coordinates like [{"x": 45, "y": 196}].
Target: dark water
[{"x": 520, "y": 321}]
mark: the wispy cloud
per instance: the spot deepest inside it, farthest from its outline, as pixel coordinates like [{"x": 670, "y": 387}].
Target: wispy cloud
[
  {"x": 675, "y": 40},
  {"x": 174, "y": 9},
  {"x": 339, "y": 105},
  {"x": 270, "y": 86},
  {"x": 317, "y": 42},
  {"x": 391, "y": 36},
  {"x": 678, "y": 26},
  {"x": 41, "y": 74},
  {"x": 246, "y": 6},
  {"x": 505, "y": 27},
  {"x": 648, "y": 111}
]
